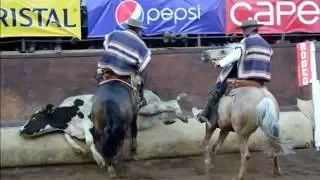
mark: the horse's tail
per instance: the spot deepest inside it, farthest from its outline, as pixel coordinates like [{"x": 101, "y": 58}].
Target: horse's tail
[
  {"x": 269, "y": 123},
  {"x": 114, "y": 131}
]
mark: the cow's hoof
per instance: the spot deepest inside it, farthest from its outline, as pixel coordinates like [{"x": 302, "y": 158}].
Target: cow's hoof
[
  {"x": 80, "y": 151},
  {"x": 99, "y": 160},
  {"x": 168, "y": 122},
  {"x": 182, "y": 117}
]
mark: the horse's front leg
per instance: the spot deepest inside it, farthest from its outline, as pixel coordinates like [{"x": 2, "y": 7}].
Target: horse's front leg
[
  {"x": 205, "y": 145},
  {"x": 208, "y": 134}
]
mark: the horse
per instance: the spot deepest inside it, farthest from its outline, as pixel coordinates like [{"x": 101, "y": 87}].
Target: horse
[
  {"x": 114, "y": 115},
  {"x": 242, "y": 111}
]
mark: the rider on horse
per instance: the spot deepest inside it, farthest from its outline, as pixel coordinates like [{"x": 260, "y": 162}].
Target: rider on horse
[
  {"x": 126, "y": 57},
  {"x": 248, "y": 65}
]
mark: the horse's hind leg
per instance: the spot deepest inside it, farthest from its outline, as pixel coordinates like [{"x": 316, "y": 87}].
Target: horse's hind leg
[
  {"x": 245, "y": 155},
  {"x": 127, "y": 144},
  {"x": 276, "y": 166},
  {"x": 134, "y": 133},
  {"x": 217, "y": 145}
]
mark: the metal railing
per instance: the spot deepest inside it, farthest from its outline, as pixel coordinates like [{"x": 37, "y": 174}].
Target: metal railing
[{"x": 24, "y": 45}]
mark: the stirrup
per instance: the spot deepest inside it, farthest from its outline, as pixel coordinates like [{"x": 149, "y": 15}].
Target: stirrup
[{"x": 203, "y": 119}]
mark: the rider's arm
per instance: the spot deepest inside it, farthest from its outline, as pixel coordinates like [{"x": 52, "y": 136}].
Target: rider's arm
[
  {"x": 232, "y": 57},
  {"x": 145, "y": 61},
  {"x": 106, "y": 41}
]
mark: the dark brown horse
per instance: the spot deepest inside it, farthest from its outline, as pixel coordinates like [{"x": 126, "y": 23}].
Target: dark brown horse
[{"x": 114, "y": 114}]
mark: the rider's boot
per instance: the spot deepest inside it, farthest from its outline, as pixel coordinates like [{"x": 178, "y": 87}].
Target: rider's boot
[{"x": 211, "y": 108}]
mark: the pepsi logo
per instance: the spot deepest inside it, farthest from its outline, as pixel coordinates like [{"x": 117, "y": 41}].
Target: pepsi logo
[{"x": 128, "y": 9}]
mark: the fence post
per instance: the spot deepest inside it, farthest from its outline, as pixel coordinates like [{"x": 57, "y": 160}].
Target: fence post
[
  {"x": 23, "y": 45},
  {"x": 199, "y": 41},
  {"x": 316, "y": 93}
]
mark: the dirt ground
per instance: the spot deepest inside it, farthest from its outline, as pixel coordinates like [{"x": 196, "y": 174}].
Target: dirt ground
[{"x": 305, "y": 165}]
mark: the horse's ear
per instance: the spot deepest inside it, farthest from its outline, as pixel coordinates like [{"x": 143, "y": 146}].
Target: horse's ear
[{"x": 49, "y": 109}]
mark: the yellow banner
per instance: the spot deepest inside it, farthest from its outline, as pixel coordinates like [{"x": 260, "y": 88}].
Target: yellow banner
[{"x": 39, "y": 18}]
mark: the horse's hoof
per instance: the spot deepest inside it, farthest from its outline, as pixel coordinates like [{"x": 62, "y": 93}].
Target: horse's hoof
[
  {"x": 112, "y": 173},
  {"x": 134, "y": 157},
  {"x": 238, "y": 178},
  {"x": 277, "y": 173}
]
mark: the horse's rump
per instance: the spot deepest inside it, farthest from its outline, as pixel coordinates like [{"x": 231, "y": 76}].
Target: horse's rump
[
  {"x": 240, "y": 103},
  {"x": 113, "y": 111}
]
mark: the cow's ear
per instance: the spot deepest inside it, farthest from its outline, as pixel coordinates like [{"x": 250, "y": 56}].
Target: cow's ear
[{"x": 49, "y": 109}]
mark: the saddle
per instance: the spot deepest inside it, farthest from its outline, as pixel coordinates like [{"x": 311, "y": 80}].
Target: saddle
[
  {"x": 108, "y": 74},
  {"x": 234, "y": 84},
  {"x": 131, "y": 80}
]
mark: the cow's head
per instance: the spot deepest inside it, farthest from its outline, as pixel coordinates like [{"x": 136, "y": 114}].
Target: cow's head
[{"x": 38, "y": 123}]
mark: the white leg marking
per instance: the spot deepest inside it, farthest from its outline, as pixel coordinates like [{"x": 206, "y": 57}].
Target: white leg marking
[{"x": 73, "y": 144}]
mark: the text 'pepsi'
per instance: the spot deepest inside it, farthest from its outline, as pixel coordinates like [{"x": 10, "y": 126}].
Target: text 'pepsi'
[{"x": 178, "y": 14}]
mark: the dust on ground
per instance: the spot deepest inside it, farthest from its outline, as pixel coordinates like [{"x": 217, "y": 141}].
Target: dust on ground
[{"x": 305, "y": 165}]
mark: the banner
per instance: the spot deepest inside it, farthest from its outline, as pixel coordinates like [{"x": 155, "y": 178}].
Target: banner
[
  {"x": 278, "y": 16},
  {"x": 158, "y": 16},
  {"x": 39, "y": 18},
  {"x": 304, "y": 55}
]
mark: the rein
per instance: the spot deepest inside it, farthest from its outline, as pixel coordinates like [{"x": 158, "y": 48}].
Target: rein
[{"x": 109, "y": 80}]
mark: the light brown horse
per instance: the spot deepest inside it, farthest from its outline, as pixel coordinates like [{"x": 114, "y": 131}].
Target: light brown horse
[{"x": 242, "y": 111}]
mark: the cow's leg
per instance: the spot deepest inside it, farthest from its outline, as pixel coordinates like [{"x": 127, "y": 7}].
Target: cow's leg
[
  {"x": 87, "y": 134},
  {"x": 97, "y": 156},
  {"x": 73, "y": 144},
  {"x": 90, "y": 142}
]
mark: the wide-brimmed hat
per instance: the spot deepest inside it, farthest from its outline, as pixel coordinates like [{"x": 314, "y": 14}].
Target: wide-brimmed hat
[
  {"x": 135, "y": 23},
  {"x": 249, "y": 23}
]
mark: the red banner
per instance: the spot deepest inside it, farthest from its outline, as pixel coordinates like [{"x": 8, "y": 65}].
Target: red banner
[
  {"x": 277, "y": 16},
  {"x": 304, "y": 63}
]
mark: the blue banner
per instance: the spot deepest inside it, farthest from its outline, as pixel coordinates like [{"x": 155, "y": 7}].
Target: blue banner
[{"x": 158, "y": 16}]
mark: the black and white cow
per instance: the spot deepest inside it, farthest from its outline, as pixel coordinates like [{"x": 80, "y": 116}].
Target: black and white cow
[{"x": 72, "y": 117}]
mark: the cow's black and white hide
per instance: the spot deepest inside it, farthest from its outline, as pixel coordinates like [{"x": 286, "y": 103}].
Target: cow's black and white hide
[{"x": 72, "y": 117}]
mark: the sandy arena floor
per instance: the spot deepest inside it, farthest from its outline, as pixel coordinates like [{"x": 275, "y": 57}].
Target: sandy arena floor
[{"x": 305, "y": 165}]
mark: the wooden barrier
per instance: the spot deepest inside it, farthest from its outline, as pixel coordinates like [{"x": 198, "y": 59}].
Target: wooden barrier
[{"x": 29, "y": 81}]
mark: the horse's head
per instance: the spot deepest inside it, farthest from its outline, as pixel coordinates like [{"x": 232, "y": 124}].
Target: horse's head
[{"x": 211, "y": 55}]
